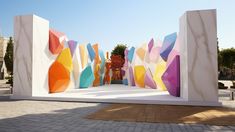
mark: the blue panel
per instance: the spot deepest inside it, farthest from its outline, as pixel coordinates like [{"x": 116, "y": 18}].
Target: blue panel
[
  {"x": 101, "y": 79},
  {"x": 91, "y": 51},
  {"x": 131, "y": 53},
  {"x": 102, "y": 65},
  {"x": 167, "y": 46},
  {"x": 125, "y": 81}
]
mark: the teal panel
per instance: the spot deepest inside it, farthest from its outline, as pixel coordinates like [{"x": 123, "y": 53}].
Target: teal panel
[{"x": 87, "y": 77}]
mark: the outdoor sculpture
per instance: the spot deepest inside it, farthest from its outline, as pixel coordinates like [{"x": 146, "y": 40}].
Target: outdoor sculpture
[{"x": 150, "y": 65}]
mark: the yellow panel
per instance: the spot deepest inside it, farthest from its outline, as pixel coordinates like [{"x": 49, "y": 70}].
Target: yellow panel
[
  {"x": 141, "y": 53},
  {"x": 160, "y": 69},
  {"x": 65, "y": 59},
  {"x": 139, "y": 75},
  {"x": 83, "y": 56},
  {"x": 75, "y": 67}
]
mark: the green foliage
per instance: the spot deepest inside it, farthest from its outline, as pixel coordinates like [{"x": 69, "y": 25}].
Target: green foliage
[
  {"x": 227, "y": 57},
  {"x": 8, "y": 58},
  {"x": 119, "y": 50}
]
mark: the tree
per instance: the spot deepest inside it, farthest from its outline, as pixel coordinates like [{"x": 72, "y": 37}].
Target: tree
[
  {"x": 219, "y": 57},
  {"x": 119, "y": 50},
  {"x": 8, "y": 58},
  {"x": 228, "y": 57}
]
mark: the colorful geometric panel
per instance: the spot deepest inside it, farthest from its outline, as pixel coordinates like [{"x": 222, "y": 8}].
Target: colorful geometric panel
[
  {"x": 125, "y": 81},
  {"x": 76, "y": 71},
  {"x": 102, "y": 65},
  {"x": 96, "y": 82},
  {"x": 131, "y": 53},
  {"x": 147, "y": 57},
  {"x": 154, "y": 54},
  {"x": 171, "y": 56},
  {"x": 131, "y": 74},
  {"x": 141, "y": 52},
  {"x": 55, "y": 41},
  {"x": 83, "y": 56},
  {"x": 168, "y": 45},
  {"x": 87, "y": 77},
  {"x": 72, "y": 46},
  {"x": 148, "y": 79},
  {"x": 59, "y": 78},
  {"x": 171, "y": 77},
  {"x": 96, "y": 49},
  {"x": 65, "y": 59},
  {"x": 91, "y": 51},
  {"x": 150, "y": 45},
  {"x": 126, "y": 58},
  {"x": 160, "y": 69},
  {"x": 139, "y": 72}
]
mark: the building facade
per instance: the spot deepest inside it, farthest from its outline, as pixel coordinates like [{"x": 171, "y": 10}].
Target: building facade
[{"x": 3, "y": 47}]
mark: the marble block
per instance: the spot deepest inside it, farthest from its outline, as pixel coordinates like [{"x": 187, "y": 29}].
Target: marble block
[
  {"x": 31, "y": 53},
  {"x": 198, "y": 56}
]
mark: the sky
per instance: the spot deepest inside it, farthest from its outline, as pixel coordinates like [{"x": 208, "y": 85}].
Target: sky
[{"x": 111, "y": 22}]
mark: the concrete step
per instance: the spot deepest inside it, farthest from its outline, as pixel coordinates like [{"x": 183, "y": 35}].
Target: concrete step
[{"x": 4, "y": 91}]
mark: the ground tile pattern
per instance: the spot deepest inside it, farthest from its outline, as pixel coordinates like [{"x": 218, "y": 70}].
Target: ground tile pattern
[{"x": 48, "y": 116}]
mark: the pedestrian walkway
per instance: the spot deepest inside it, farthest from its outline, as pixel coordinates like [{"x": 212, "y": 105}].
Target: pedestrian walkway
[{"x": 48, "y": 116}]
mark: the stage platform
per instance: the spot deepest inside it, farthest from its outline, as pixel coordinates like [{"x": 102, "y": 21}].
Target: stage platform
[{"x": 116, "y": 93}]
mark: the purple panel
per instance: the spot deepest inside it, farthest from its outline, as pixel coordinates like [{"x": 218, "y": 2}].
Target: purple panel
[
  {"x": 171, "y": 77},
  {"x": 148, "y": 80},
  {"x": 123, "y": 72},
  {"x": 150, "y": 45},
  {"x": 132, "y": 81},
  {"x": 72, "y": 46},
  {"x": 126, "y": 58}
]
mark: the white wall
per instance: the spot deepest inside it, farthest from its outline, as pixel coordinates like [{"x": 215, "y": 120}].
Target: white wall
[
  {"x": 31, "y": 56},
  {"x": 42, "y": 57},
  {"x": 198, "y": 56}
]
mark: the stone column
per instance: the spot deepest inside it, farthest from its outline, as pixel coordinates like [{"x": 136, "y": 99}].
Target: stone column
[{"x": 198, "y": 56}]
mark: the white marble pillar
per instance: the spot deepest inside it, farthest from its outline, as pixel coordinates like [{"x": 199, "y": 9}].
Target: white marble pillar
[
  {"x": 198, "y": 56},
  {"x": 31, "y": 56}
]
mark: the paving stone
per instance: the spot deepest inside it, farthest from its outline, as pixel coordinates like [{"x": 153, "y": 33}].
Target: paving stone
[{"x": 41, "y": 116}]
